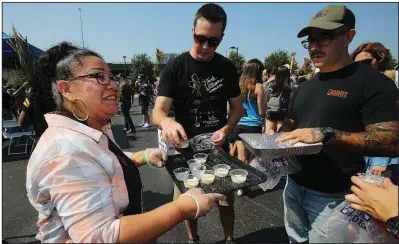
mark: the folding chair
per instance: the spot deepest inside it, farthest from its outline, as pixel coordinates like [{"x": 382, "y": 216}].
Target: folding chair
[{"x": 8, "y": 134}]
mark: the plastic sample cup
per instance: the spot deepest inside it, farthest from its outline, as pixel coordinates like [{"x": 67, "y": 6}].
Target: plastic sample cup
[
  {"x": 181, "y": 173},
  {"x": 208, "y": 177},
  {"x": 221, "y": 170},
  {"x": 238, "y": 176},
  {"x": 198, "y": 171},
  {"x": 191, "y": 181},
  {"x": 200, "y": 157}
]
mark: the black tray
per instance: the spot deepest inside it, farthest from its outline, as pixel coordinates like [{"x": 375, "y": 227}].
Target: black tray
[{"x": 221, "y": 185}]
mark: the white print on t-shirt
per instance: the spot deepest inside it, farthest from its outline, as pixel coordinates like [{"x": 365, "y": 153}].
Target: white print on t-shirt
[
  {"x": 195, "y": 83},
  {"x": 212, "y": 84},
  {"x": 202, "y": 109}
]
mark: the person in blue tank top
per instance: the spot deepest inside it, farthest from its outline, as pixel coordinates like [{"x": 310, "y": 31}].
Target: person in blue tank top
[{"x": 254, "y": 111}]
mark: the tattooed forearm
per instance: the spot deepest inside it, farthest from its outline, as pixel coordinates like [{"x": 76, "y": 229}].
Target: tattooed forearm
[
  {"x": 380, "y": 139},
  {"x": 316, "y": 134}
]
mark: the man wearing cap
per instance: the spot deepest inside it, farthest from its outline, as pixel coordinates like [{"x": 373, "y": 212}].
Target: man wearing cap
[{"x": 350, "y": 108}]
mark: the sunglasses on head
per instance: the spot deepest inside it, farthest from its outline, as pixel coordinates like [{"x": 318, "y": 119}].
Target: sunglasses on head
[{"x": 212, "y": 41}]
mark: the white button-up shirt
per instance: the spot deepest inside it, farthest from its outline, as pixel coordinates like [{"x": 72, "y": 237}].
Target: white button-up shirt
[{"x": 76, "y": 184}]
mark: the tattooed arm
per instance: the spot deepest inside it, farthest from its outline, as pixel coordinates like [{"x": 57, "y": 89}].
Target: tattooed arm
[{"x": 379, "y": 139}]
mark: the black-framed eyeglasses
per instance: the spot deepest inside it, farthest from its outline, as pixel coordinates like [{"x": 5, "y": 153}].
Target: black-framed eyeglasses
[
  {"x": 212, "y": 41},
  {"x": 366, "y": 61},
  {"x": 322, "y": 40},
  {"x": 101, "y": 78}
]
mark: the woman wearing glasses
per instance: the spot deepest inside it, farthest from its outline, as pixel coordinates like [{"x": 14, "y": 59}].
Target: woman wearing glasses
[{"x": 81, "y": 183}]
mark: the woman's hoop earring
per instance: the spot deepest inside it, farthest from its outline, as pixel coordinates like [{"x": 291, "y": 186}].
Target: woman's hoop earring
[{"x": 88, "y": 112}]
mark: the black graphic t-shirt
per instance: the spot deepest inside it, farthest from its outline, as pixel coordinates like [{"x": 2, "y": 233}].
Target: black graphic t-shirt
[
  {"x": 200, "y": 91},
  {"x": 348, "y": 99},
  {"x": 144, "y": 89}
]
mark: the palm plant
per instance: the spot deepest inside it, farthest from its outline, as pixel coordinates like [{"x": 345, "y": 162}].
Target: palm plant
[
  {"x": 25, "y": 59},
  {"x": 159, "y": 57}
]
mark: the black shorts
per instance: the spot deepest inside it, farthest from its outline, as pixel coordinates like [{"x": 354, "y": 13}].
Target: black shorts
[
  {"x": 145, "y": 101},
  {"x": 273, "y": 116},
  {"x": 233, "y": 136}
]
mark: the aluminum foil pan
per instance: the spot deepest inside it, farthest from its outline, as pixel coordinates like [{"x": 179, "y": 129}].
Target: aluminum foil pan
[{"x": 265, "y": 146}]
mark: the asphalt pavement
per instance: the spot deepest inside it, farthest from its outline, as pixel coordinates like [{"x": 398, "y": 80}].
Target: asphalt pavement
[{"x": 259, "y": 216}]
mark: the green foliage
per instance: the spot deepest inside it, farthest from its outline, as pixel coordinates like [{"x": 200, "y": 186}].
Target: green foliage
[
  {"x": 238, "y": 60},
  {"x": 277, "y": 58},
  {"x": 141, "y": 65}
]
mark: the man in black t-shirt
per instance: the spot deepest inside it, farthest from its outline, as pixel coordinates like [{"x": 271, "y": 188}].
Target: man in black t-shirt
[
  {"x": 350, "y": 108},
  {"x": 144, "y": 99},
  {"x": 126, "y": 104},
  {"x": 199, "y": 83}
]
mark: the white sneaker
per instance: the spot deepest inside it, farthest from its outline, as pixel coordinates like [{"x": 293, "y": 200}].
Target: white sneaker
[
  {"x": 141, "y": 124},
  {"x": 240, "y": 192},
  {"x": 146, "y": 125}
]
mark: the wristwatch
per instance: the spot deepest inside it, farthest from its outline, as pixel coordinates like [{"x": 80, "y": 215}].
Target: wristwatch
[
  {"x": 328, "y": 133},
  {"x": 392, "y": 225}
]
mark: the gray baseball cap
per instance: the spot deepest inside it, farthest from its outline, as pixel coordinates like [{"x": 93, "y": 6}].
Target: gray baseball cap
[{"x": 330, "y": 18}]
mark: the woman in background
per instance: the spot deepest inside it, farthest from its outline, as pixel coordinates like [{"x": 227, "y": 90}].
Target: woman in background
[
  {"x": 254, "y": 111},
  {"x": 277, "y": 99}
]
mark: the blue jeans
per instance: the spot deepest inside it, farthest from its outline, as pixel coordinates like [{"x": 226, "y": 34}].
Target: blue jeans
[{"x": 305, "y": 210}]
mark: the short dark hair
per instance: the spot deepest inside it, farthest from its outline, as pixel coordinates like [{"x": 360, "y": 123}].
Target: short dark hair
[{"x": 212, "y": 13}]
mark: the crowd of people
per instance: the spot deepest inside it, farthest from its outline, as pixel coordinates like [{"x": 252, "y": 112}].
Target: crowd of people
[{"x": 87, "y": 189}]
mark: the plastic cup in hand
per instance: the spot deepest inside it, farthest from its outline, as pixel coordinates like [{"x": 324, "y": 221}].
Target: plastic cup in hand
[
  {"x": 200, "y": 157},
  {"x": 191, "y": 181},
  {"x": 184, "y": 143},
  {"x": 198, "y": 171},
  {"x": 208, "y": 177},
  {"x": 372, "y": 179},
  {"x": 238, "y": 176},
  {"x": 181, "y": 173},
  {"x": 221, "y": 170}
]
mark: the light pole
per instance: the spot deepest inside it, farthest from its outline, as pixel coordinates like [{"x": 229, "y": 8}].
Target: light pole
[
  {"x": 124, "y": 58},
  {"x": 81, "y": 26},
  {"x": 233, "y": 47}
]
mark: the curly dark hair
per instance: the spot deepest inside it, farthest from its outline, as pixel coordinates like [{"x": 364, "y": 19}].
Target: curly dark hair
[{"x": 54, "y": 64}]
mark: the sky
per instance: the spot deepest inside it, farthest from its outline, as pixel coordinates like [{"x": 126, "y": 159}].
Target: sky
[{"x": 124, "y": 29}]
